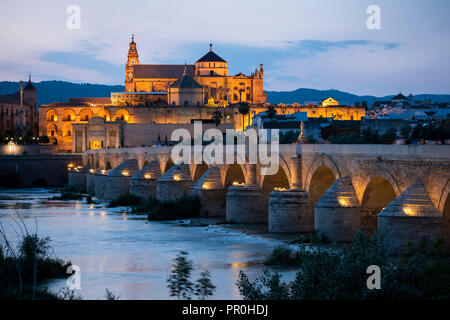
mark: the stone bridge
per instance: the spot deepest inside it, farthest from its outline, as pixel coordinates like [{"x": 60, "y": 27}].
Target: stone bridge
[{"x": 336, "y": 189}]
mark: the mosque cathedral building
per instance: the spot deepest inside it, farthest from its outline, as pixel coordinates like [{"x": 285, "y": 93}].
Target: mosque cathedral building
[{"x": 168, "y": 94}]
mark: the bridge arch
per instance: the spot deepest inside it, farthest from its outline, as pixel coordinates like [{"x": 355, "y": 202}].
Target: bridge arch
[
  {"x": 321, "y": 160},
  {"x": 169, "y": 164},
  {"x": 108, "y": 166},
  {"x": 286, "y": 171},
  {"x": 322, "y": 178},
  {"x": 378, "y": 193},
  {"x": 234, "y": 173},
  {"x": 199, "y": 170}
]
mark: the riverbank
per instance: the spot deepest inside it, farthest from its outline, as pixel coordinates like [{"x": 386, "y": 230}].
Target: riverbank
[{"x": 130, "y": 256}]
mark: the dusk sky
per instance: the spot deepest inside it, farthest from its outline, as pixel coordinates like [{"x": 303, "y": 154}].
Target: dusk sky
[{"x": 320, "y": 44}]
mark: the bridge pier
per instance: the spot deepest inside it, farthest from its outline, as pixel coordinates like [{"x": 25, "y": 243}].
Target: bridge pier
[
  {"x": 411, "y": 218},
  {"x": 90, "y": 181},
  {"x": 78, "y": 177},
  {"x": 174, "y": 183},
  {"x": 143, "y": 183},
  {"x": 289, "y": 212},
  {"x": 101, "y": 178},
  {"x": 338, "y": 213},
  {"x": 244, "y": 205},
  {"x": 211, "y": 192},
  {"x": 119, "y": 178}
]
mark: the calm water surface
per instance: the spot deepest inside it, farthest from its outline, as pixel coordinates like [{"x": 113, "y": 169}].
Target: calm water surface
[{"x": 126, "y": 254}]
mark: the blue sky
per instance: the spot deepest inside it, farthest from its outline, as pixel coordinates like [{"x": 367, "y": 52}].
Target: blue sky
[{"x": 321, "y": 44}]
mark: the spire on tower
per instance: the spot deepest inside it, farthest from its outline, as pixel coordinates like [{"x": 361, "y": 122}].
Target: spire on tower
[
  {"x": 132, "y": 37},
  {"x": 210, "y": 47}
]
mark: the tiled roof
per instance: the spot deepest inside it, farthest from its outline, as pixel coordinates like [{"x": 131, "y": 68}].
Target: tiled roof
[
  {"x": 211, "y": 57},
  {"x": 186, "y": 82},
  {"x": 166, "y": 71},
  {"x": 30, "y": 86},
  {"x": 399, "y": 97}
]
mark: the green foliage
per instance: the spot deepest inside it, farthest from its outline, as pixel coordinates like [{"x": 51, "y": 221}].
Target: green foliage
[
  {"x": 179, "y": 282},
  {"x": 182, "y": 208},
  {"x": 315, "y": 237},
  {"x": 364, "y": 104},
  {"x": 333, "y": 274},
  {"x": 125, "y": 200},
  {"x": 405, "y": 131},
  {"x": 271, "y": 112},
  {"x": 289, "y": 137},
  {"x": 430, "y": 131},
  {"x": 283, "y": 256},
  {"x": 110, "y": 296},
  {"x": 44, "y": 139},
  {"x": 33, "y": 255},
  {"x": 345, "y": 138},
  {"x": 146, "y": 205},
  {"x": 217, "y": 117},
  {"x": 68, "y": 193},
  {"x": 204, "y": 287},
  {"x": 368, "y": 136}
]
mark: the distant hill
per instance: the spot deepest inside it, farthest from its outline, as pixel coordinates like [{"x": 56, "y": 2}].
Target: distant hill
[
  {"x": 305, "y": 95},
  {"x": 60, "y": 91}
]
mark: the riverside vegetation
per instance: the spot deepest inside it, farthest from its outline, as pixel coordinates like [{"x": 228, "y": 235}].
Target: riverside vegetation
[
  {"x": 159, "y": 210},
  {"x": 340, "y": 273},
  {"x": 22, "y": 269}
]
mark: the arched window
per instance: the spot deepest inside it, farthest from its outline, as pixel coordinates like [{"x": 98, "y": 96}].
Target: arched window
[
  {"x": 211, "y": 73},
  {"x": 186, "y": 103}
]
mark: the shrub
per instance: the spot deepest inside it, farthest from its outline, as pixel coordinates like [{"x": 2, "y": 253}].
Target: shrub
[
  {"x": 35, "y": 264},
  {"x": 68, "y": 193},
  {"x": 125, "y": 200},
  {"x": 315, "y": 237},
  {"x": 146, "y": 205},
  {"x": 345, "y": 138},
  {"x": 326, "y": 274},
  {"x": 182, "y": 208},
  {"x": 283, "y": 256}
]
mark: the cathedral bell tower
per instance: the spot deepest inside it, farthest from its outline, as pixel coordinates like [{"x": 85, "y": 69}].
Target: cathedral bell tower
[{"x": 133, "y": 58}]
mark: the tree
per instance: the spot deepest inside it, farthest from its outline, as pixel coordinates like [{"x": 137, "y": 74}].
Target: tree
[
  {"x": 405, "y": 131},
  {"x": 271, "y": 112},
  {"x": 178, "y": 282},
  {"x": 204, "y": 287},
  {"x": 357, "y": 104},
  {"x": 364, "y": 104},
  {"x": 217, "y": 117},
  {"x": 244, "y": 109}
]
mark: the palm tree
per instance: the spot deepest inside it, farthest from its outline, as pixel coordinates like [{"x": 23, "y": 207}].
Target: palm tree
[
  {"x": 244, "y": 108},
  {"x": 217, "y": 117},
  {"x": 271, "y": 112}
]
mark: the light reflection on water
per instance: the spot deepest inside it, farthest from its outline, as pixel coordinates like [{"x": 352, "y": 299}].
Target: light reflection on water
[{"x": 126, "y": 254}]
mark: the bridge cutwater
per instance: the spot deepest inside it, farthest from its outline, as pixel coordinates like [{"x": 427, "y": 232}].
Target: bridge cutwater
[{"x": 402, "y": 190}]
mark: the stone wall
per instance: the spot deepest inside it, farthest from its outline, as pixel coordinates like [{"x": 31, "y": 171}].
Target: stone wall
[{"x": 37, "y": 169}]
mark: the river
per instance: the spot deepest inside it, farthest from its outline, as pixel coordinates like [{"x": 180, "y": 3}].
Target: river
[{"x": 125, "y": 253}]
